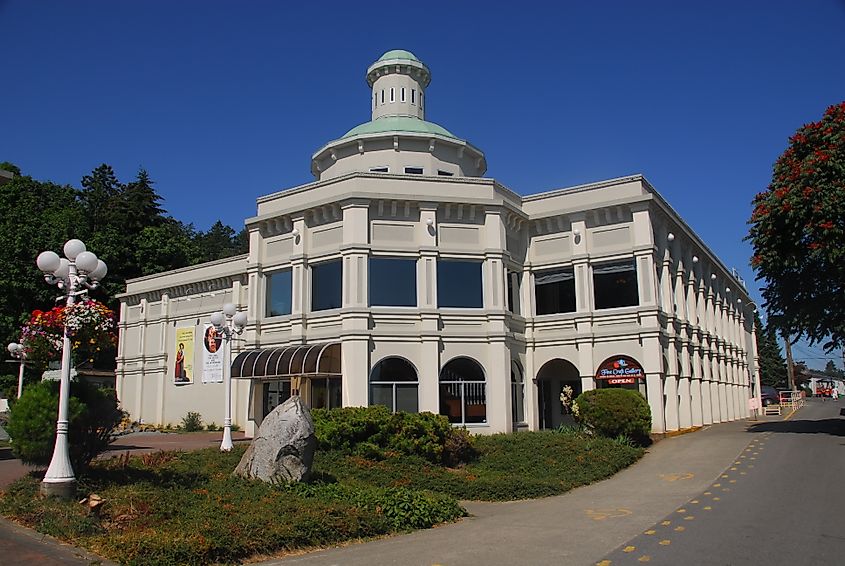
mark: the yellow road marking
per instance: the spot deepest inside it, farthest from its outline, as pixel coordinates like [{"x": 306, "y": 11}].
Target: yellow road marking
[
  {"x": 629, "y": 549},
  {"x": 665, "y": 542},
  {"x": 644, "y": 558},
  {"x": 604, "y": 563},
  {"x": 677, "y": 477},
  {"x": 717, "y": 499},
  {"x": 682, "y": 510},
  {"x": 689, "y": 518},
  {"x": 708, "y": 508},
  {"x": 602, "y": 514},
  {"x": 650, "y": 532},
  {"x": 750, "y": 465},
  {"x": 742, "y": 473},
  {"x": 680, "y": 529},
  {"x": 665, "y": 523},
  {"x": 724, "y": 475},
  {"x": 708, "y": 493},
  {"x": 733, "y": 469},
  {"x": 717, "y": 485},
  {"x": 726, "y": 489},
  {"x": 733, "y": 481},
  {"x": 694, "y": 501}
]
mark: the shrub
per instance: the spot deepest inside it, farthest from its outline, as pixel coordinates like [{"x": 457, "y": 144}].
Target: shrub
[
  {"x": 93, "y": 414},
  {"x": 192, "y": 422},
  {"x": 615, "y": 412},
  {"x": 375, "y": 431}
]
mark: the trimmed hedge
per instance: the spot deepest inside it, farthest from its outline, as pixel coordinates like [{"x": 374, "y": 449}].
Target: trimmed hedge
[
  {"x": 509, "y": 466},
  {"x": 375, "y": 432},
  {"x": 615, "y": 412}
]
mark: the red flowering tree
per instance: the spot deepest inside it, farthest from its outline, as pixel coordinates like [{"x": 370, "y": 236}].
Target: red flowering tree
[{"x": 798, "y": 233}]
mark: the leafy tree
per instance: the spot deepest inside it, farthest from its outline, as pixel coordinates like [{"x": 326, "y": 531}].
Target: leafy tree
[
  {"x": 772, "y": 365},
  {"x": 798, "y": 233},
  {"x": 35, "y": 216}
]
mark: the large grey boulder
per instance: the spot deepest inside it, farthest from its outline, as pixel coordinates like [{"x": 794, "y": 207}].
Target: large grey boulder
[{"x": 283, "y": 448}]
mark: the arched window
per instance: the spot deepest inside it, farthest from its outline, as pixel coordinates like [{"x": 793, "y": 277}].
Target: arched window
[
  {"x": 517, "y": 394},
  {"x": 463, "y": 397},
  {"x": 394, "y": 384}
]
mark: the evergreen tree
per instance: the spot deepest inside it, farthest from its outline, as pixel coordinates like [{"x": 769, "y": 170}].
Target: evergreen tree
[{"x": 772, "y": 365}]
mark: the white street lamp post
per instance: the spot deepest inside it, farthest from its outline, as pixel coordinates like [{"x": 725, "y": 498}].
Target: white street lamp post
[
  {"x": 17, "y": 352},
  {"x": 74, "y": 274},
  {"x": 228, "y": 323}
]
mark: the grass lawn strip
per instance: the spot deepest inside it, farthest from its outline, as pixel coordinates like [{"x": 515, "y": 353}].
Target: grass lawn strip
[{"x": 186, "y": 508}]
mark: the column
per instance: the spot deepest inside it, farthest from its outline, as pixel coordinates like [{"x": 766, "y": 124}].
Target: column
[
  {"x": 355, "y": 340},
  {"x": 653, "y": 366}
]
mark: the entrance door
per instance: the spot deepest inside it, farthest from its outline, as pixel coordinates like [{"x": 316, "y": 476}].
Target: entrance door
[{"x": 552, "y": 378}]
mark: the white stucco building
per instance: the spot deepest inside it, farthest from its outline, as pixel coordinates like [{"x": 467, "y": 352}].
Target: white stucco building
[{"x": 404, "y": 277}]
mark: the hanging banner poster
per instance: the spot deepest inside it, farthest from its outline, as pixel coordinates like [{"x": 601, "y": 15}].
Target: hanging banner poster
[
  {"x": 183, "y": 371},
  {"x": 212, "y": 355}
]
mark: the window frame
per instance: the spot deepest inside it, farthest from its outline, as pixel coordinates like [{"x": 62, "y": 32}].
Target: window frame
[
  {"x": 479, "y": 263},
  {"x": 632, "y": 264},
  {"x": 462, "y": 386},
  {"x": 268, "y": 276},
  {"x": 414, "y": 170},
  {"x": 408, "y": 259},
  {"x": 517, "y": 409},
  {"x": 393, "y": 383},
  {"x": 568, "y": 273},
  {"x": 318, "y": 264}
]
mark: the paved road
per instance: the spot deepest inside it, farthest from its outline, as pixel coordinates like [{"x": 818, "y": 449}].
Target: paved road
[
  {"x": 578, "y": 528},
  {"x": 781, "y": 502}
]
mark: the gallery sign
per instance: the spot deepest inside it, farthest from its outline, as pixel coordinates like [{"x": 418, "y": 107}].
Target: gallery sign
[{"x": 620, "y": 370}]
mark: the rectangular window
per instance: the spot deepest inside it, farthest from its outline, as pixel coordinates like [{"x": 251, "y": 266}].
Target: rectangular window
[
  {"x": 444, "y": 173},
  {"x": 413, "y": 171},
  {"x": 278, "y": 293},
  {"x": 402, "y": 94},
  {"x": 413, "y": 95},
  {"x": 392, "y": 94},
  {"x": 513, "y": 291},
  {"x": 615, "y": 285},
  {"x": 326, "y": 283},
  {"x": 378, "y": 170},
  {"x": 393, "y": 282},
  {"x": 554, "y": 291},
  {"x": 459, "y": 284},
  {"x": 382, "y": 96}
]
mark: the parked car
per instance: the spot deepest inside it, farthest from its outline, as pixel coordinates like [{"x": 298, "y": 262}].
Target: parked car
[{"x": 770, "y": 395}]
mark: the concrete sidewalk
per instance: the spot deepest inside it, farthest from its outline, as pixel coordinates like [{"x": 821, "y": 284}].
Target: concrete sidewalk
[
  {"x": 572, "y": 529},
  {"x": 577, "y": 528}
]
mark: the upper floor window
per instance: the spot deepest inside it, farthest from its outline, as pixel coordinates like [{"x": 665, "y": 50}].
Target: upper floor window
[
  {"x": 392, "y": 94},
  {"x": 378, "y": 169},
  {"x": 402, "y": 94},
  {"x": 413, "y": 95},
  {"x": 413, "y": 170},
  {"x": 393, "y": 282},
  {"x": 382, "y": 96},
  {"x": 278, "y": 293},
  {"x": 443, "y": 173},
  {"x": 513, "y": 291},
  {"x": 554, "y": 291},
  {"x": 615, "y": 284},
  {"x": 459, "y": 284},
  {"x": 326, "y": 283}
]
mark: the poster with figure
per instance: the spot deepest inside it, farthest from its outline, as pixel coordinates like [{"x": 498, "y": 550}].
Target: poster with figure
[
  {"x": 212, "y": 355},
  {"x": 183, "y": 370}
]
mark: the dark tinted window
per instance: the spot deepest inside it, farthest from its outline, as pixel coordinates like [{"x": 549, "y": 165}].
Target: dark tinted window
[
  {"x": 393, "y": 282},
  {"x": 393, "y": 383},
  {"x": 554, "y": 291},
  {"x": 326, "y": 282},
  {"x": 513, "y": 291},
  {"x": 459, "y": 284},
  {"x": 615, "y": 285},
  {"x": 414, "y": 170},
  {"x": 278, "y": 293}
]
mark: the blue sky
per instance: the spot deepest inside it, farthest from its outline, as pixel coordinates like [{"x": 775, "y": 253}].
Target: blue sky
[{"x": 225, "y": 101}]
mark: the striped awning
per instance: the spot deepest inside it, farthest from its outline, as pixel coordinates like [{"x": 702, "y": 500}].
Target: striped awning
[{"x": 279, "y": 363}]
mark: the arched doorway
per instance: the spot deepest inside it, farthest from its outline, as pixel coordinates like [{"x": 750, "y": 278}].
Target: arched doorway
[
  {"x": 394, "y": 384},
  {"x": 551, "y": 379}
]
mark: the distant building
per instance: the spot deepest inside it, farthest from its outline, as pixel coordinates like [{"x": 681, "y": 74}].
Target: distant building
[{"x": 401, "y": 276}]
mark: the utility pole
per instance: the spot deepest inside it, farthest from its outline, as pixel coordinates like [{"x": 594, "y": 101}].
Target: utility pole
[{"x": 790, "y": 368}]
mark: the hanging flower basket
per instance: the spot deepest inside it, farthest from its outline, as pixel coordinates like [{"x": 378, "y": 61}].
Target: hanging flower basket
[{"x": 90, "y": 324}]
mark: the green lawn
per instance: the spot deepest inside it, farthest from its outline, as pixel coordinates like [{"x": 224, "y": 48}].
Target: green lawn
[{"x": 185, "y": 508}]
